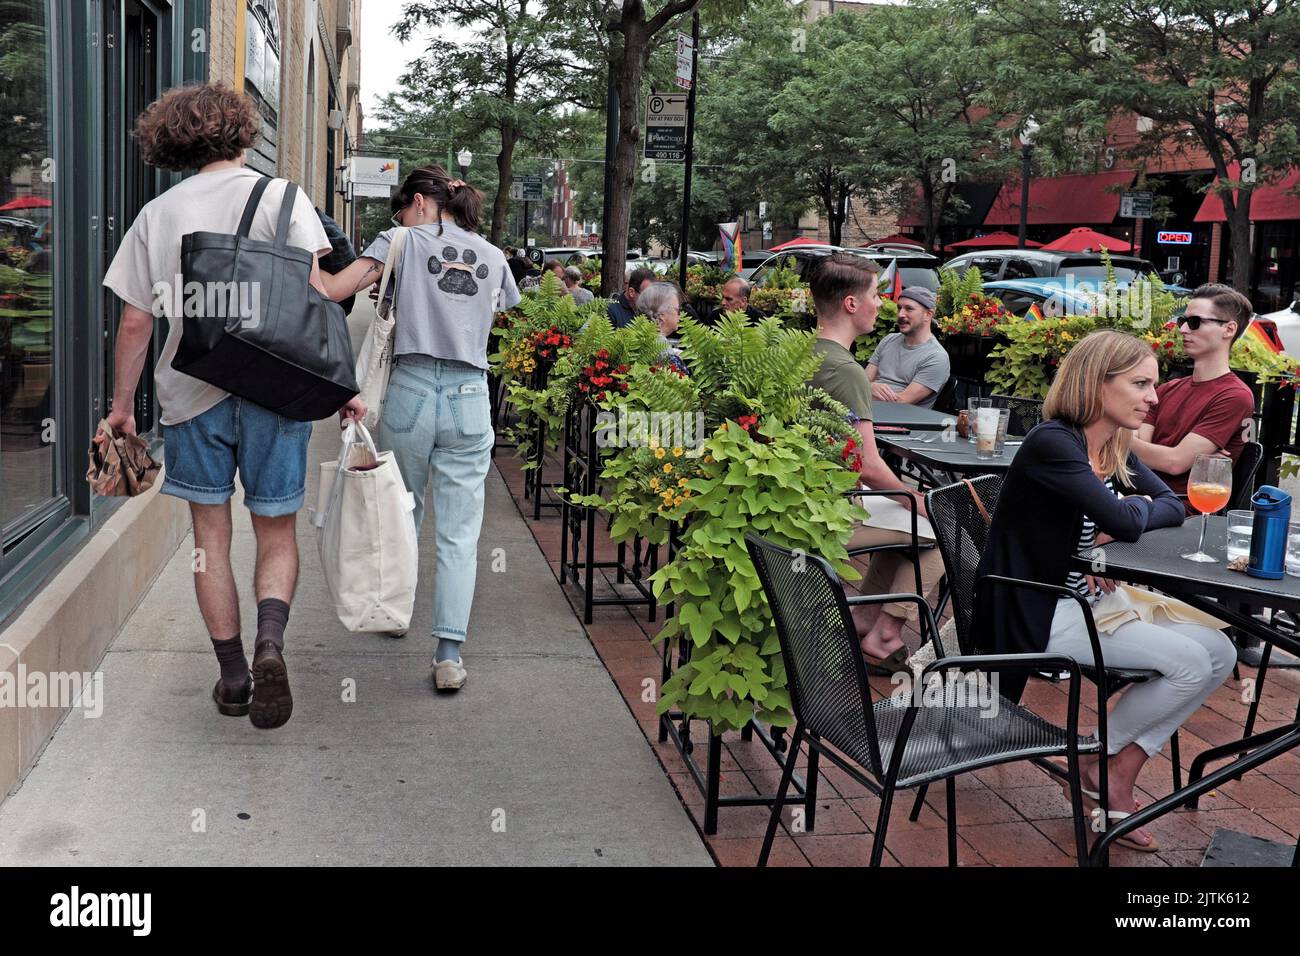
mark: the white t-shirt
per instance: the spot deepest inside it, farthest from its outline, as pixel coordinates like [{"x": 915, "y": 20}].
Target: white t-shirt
[{"x": 146, "y": 268}]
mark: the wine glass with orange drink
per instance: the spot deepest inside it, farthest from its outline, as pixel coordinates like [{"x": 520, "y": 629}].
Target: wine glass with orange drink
[{"x": 1209, "y": 487}]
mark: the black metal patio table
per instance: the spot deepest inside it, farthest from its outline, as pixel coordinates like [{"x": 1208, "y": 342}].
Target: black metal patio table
[
  {"x": 902, "y": 415},
  {"x": 1155, "y": 560},
  {"x": 947, "y": 452}
]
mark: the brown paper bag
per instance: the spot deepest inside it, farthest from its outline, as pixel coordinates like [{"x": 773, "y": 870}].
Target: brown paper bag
[{"x": 120, "y": 465}]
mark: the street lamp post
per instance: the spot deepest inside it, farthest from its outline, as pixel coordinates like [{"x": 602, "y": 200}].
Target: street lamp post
[{"x": 1026, "y": 150}]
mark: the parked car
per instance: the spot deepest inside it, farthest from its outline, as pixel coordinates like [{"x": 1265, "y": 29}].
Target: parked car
[
  {"x": 1000, "y": 264},
  {"x": 914, "y": 267},
  {"x": 1288, "y": 327},
  {"x": 1052, "y": 296}
]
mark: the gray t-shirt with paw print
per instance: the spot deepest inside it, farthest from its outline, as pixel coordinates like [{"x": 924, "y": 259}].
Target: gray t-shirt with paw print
[{"x": 450, "y": 285}]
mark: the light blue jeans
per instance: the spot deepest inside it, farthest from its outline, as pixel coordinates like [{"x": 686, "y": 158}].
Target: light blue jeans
[
  {"x": 436, "y": 418},
  {"x": 1193, "y": 661}
]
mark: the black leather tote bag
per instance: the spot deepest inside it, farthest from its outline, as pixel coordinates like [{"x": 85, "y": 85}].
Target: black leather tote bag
[{"x": 263, "y": 332}]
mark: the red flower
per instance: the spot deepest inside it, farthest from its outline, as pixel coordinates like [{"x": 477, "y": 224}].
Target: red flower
[{"x": 744, "y": 421}]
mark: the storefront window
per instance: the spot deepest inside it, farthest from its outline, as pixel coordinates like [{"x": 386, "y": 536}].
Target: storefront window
[{"x": 29, "y": 476}]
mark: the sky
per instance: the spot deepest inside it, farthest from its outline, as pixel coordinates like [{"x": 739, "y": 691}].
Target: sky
[{"x": 383, "y": 57}]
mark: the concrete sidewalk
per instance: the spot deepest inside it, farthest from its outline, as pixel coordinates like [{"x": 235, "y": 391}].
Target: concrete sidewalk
[{"x": 537, "y": 761}]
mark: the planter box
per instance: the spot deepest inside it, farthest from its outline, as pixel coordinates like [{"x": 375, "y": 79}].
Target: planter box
[{"x": 969, "y": 354}]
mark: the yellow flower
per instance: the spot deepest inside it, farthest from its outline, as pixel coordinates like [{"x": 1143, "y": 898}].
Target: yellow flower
[
  {"x": 681, "y": 482},
  {"x": 654, "y": 443},
  {"x": 659, "y": 452},
  {"x": 677, "y": 451},
  {"x": 654, "y": 484},
  {"x": 708, "y": 459},
  {"x": 668, "y": 468}
]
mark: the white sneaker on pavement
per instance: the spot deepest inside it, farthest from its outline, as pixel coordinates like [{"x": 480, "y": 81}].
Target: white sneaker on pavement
[{"x": 448, "y": 675}]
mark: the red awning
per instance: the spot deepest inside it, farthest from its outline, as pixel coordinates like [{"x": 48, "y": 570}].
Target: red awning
[
  {"x": 994, "y": 240},
  {"x": 1062, "y": 200},
  {"x": 896, "y": 239},
  {"x": 1083, "y": 239},
  {"x": 796, "y": 241},
  {"x": 1269, "y": 203},
  {"x": 26, "y": 202}
]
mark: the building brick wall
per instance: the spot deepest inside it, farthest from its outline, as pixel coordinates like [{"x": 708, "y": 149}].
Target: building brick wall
[{"x": 299, "y": 30}]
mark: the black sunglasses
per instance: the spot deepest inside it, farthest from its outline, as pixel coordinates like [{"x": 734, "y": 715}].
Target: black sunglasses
[{"x": 1193, "y": 322}]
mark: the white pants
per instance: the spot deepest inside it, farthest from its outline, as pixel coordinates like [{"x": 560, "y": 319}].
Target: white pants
[{"x": 1193, "y": 660}]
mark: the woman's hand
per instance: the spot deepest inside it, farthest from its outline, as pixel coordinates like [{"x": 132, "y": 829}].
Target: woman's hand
[
  {"x": 1099, "y": 585},
  {"x": 1103, "y": 538}
]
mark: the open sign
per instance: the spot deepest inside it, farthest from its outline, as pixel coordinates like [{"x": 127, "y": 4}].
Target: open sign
[{"x": 1174, "y": 238}]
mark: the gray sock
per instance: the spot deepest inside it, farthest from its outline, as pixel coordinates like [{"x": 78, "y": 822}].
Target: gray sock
[
  {"x": 234, "y": 665},
  {"x": 272, "y": 616},
  {"x": 448, "y": 650}
]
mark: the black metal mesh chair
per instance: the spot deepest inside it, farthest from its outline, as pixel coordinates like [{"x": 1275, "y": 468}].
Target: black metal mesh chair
[
  {"x": 946, "y": 400},
  {"x": 961, "y": 532},
  {"x": 1243, "y": 475},
  {"x": 899, "y": 741},
  {"x": 1025, "y": 412}
]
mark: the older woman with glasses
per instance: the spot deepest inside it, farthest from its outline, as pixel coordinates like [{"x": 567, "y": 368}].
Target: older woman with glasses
[{"x": 661, "y": 303}]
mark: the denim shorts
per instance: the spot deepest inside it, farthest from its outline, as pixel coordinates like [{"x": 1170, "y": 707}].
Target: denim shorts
[{"x": 268, "y": 450}]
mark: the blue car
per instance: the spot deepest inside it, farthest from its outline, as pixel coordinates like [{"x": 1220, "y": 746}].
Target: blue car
[{"x": 1055, "y": 296}]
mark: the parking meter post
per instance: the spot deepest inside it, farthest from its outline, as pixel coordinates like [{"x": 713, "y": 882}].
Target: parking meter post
[{"x": 690, "y": 148}]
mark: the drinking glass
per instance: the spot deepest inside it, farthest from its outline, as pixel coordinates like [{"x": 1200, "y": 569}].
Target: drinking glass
[
  {"x": 1004, "y": 419},
  {"x": 1240, "y": 525},
  {"x": 1293, "y": 550},
  {"x": 972, "y": 411},
  {"x": 1209, "y": 487},
  {"x": 986, "y": 431}
]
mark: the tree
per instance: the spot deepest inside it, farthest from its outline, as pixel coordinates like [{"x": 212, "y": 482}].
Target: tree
[
  {"x": 633, "y": 31},
  {"x": 909, "y": 92},
  {"x": 23, "y": 92},
  {"x": 509, "y": 79},
  {"x": 1221, "y": 76}
]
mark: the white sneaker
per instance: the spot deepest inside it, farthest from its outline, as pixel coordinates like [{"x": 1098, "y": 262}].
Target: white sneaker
[{"x": 448, "y": 675}]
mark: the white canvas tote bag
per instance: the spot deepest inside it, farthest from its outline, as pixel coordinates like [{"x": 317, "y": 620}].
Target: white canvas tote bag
[
  {"x": 365, "y": 524},
  {"x": 375, "y": 361}
]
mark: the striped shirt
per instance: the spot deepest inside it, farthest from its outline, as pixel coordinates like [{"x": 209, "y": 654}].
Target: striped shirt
[{"x": 1087, "y": 541}]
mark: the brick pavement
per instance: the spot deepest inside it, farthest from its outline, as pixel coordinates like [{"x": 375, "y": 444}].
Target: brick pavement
[{"x": 1012, "y": 815}]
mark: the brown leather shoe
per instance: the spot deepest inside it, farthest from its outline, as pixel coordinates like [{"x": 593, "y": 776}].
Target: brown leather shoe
[
  {"x": 233, "y": 702},
  {"x": 272, "y": 703}
]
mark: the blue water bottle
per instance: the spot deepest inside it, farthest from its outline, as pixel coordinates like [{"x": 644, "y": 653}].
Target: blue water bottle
[{"x": 1268, "y": 533}]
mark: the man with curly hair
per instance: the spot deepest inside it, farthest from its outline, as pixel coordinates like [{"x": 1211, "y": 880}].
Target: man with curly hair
[{"x": 211, "y": 434}]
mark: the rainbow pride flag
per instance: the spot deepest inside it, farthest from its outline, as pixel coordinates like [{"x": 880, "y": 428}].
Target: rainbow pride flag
[
  {"x": 890, "y": 286},
  {"x": 1034, "y": 312},
  {"x": 731, "y": 256},
  {"x": 1265, "y": 335}
]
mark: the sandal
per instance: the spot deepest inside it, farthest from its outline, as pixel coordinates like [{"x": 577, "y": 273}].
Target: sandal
[
  {"x": 1125, "y": 841},
  {"x": 1091, "y": 800},
  {"x": 886, "y": 666}
]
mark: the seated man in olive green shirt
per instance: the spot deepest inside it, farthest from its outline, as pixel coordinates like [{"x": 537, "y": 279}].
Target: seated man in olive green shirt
[{"x": 845, "y": 294}]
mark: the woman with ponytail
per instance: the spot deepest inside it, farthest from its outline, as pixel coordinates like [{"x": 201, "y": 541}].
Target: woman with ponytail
[{"x": 449, "y": 283}]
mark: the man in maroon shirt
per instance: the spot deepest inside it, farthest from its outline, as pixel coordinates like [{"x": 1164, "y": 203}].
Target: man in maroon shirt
[{"x": 1210, "y": 410}]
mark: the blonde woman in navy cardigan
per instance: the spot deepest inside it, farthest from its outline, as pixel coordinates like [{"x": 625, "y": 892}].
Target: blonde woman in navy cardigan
[{"x": 1074, "y": 485}]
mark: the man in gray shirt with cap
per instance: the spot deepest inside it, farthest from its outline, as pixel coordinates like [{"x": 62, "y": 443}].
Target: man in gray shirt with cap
[{"x": 910, "y": 365}]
